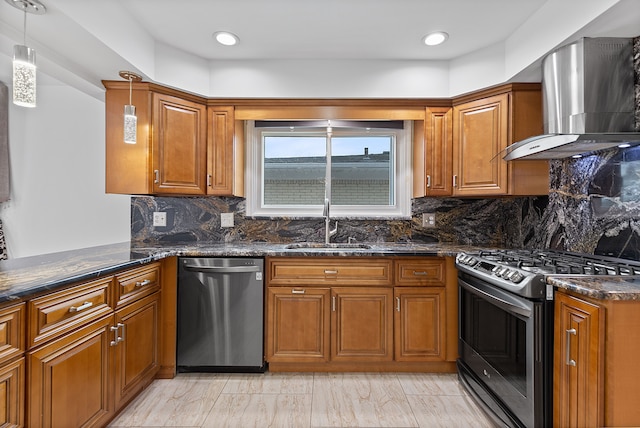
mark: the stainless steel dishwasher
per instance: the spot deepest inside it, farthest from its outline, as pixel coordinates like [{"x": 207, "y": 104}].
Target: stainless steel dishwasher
[{"x": 220, "y": 314}]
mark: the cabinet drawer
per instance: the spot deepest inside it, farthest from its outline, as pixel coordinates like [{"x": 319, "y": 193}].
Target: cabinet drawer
[
  {"x": 330, "y": 271},
  {"x": 136, "y": 283},
  {"x": 419, "y": 271},
  {"x": 12, "y": 332},
  {"x": 68, "y": 309}
]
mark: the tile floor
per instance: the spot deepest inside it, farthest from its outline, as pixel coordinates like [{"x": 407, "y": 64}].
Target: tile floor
[{"x": 304, "y": 400}]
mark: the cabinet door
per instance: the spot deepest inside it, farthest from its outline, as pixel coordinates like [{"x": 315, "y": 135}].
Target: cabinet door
[
  {"x": 297, "y": 327},
  {"x": 220, "y": 151},
  {"x": 577, "y": 360},
  {"x": 420, "y": 324},
  {"x": 361, "y": 324},
  {"x": 12, "y": 387},
  {"x": 179, "y": 145},
  {"x": 480, "y": 132},
  {"x": 438, "y": 152},
  {"x": 68, "y": 379},
  {"x": 136, "y": 360}
]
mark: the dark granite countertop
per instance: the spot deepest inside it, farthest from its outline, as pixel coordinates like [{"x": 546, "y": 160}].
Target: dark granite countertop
[
  {"x": 600, "y": 287},
  {"x": 24, "y": 277}
]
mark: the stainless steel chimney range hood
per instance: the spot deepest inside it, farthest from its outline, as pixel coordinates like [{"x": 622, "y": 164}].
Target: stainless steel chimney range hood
[{"x": 588, "y": 101}]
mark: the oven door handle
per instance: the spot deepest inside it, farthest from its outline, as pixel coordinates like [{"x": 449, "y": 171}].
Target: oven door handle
[{"x": 504, "y": 301}]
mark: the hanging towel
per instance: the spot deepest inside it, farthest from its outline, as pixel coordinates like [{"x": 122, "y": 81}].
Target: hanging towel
[
  {"x": 4, "y": 142},
  {"x": 3, "y": 245}
]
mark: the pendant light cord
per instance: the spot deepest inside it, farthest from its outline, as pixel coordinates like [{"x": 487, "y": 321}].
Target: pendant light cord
[
  {"x": 24, "y": 34},
  {"x": 130, "y": 88}
]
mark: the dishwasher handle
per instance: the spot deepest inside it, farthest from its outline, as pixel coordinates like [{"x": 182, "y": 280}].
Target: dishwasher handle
[{"x": 222, "y": 269}]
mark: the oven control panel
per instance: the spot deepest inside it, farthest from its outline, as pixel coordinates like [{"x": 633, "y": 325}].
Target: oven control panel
[{"x": 504, "y": 272}]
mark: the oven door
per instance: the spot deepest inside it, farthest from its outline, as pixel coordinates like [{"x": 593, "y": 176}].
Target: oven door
[{"x": 501, "y": 344}]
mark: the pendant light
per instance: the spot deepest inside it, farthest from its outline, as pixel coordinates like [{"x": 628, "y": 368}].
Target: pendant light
[
  {"x": 24, "y": 58},
  {"x": 130, "y": 119}
]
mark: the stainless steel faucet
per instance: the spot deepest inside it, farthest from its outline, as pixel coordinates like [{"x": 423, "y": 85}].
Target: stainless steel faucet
[{"x": 328, "y": 233}]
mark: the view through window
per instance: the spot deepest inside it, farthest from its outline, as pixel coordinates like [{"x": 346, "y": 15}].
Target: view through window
[{"x": 299, "y": 166}]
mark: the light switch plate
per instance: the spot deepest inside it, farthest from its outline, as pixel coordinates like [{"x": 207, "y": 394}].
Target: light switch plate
[
  {"x": 226, "y": 219},
  {"x": 159, "y": 219},
  {"x": 429, "y": 220}
]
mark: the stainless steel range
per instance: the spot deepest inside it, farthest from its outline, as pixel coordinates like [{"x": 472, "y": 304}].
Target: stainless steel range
[{"x": 506, "y": 327}]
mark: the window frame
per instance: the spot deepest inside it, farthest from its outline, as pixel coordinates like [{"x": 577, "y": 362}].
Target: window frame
[{"x": 402, "y": 189}]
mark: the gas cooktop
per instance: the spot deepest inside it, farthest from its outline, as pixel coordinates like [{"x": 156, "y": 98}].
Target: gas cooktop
[{"x": 523, "y": 272}]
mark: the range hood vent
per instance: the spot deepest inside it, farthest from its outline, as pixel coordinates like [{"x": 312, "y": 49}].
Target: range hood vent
[{"x": 588, "y": 101}]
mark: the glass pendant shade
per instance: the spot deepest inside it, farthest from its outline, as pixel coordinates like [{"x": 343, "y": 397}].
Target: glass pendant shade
[
  {"x": 130, "y": 124},
  {"x": 24, "y": 76}
]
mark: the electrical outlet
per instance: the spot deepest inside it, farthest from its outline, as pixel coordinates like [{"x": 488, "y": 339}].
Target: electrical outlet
[
  {"x": 226, "y": 219},
  {"x": 429, "y": 220},
  {"x": 159, "y": 219}
]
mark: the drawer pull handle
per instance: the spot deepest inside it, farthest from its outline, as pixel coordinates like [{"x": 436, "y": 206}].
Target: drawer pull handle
[
  {"x": 143, "y": 283},
  {"x": 428, "y": 181},
  {"x": 333, "y": 303},
  {"x": 397, "y": 304},
  {"x": 294, "y": 291},
  {"x": 82, "y": 307},
  {"x": 330, "y": 272},
  {"x": 571, "y": 331},
  {"x": 209, "y": 180},
  {"x": 419, "y": 273}
]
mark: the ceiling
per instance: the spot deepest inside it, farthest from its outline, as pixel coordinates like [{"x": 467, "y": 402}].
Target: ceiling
[
  {"x": 330, "y": 29},
  {"x": 81, "y": 42}
]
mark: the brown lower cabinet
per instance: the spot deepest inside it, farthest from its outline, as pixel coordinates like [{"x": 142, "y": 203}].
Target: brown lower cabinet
[
  {"x": 361, "y": 324},
  {"x": 105, "y": 351},
  {"x": 595, "y": 362},
  {"x": 401, "y": 317}
]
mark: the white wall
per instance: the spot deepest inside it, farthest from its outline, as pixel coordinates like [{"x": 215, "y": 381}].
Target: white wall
[{"x": 57, "y": 156}]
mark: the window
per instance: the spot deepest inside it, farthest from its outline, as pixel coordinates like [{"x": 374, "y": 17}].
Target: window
[{"x": 363, "y": 167}]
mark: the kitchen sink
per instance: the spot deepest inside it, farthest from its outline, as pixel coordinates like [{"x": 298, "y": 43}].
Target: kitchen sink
[{"x": 323, "y": 246}]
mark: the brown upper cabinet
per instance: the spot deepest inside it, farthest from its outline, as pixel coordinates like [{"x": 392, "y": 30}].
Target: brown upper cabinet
[
  {"x": 462, "y": 147},
  {"x": 183, "y": 147}
]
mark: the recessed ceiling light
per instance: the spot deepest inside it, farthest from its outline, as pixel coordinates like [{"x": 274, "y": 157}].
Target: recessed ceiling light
[
  {"x": 624, "y": 145},
  {"x": 226, "y": 38},
  {"x": 435, "y": 38}
]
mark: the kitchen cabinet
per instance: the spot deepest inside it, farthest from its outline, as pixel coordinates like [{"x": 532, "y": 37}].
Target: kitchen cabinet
[
  {"x": 85, "y": 358},
  {"x": 438, "y": 139},
  {"x": 577, "y": 374},
  {"x": 421, "y": 329},
  {"x": 298, "y": 324},
  {"x": 361, "y": 324},
  {"x": 12, "y": 365},
  {"x": 183, "y": 147},
  {"x": 484, "y": 124},
  {"x": 361, "y": 313},
  {"x": 595, "y": 368},
  {"x": 69, "y": 378},
  {"x": 136, "y": 359},
  {"x": 179, "y": 145},
  {"x": 220, "y": 165},
  {"x": 420, "y": 323}
]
